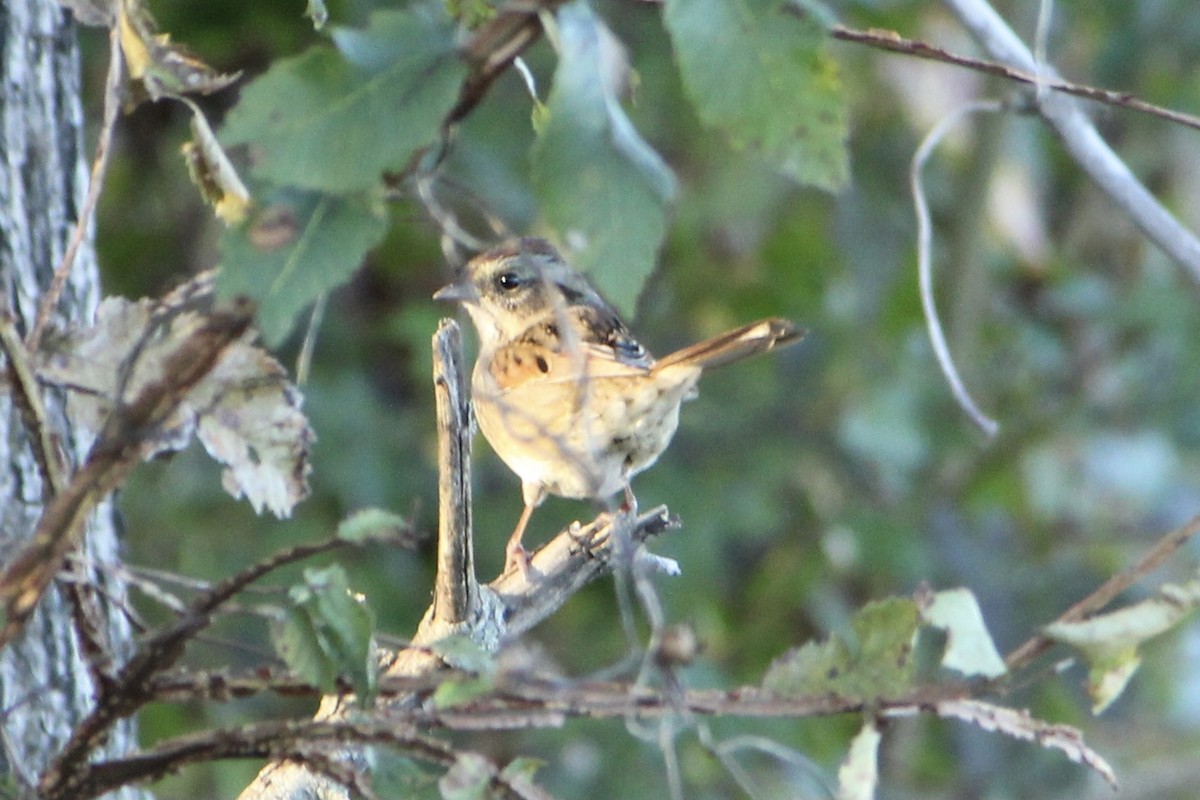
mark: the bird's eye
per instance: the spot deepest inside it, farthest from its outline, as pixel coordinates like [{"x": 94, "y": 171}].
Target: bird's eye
[{"x": 508, "y": 281}]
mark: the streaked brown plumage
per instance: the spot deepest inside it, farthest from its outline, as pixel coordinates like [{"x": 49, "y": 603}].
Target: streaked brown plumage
[{"x": 563, "y": 392}]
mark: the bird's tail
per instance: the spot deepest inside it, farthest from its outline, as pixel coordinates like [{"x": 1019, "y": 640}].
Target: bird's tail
[{"x": 757, "y": 337}]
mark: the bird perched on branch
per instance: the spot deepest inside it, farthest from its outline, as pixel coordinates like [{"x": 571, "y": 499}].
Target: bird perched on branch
[{"x": 563, "y": 392}]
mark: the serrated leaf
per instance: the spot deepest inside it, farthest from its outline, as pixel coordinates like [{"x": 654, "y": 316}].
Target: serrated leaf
[
  {"x": 329, "y": 632},
  {"x": 969, "y": 647},
  {"x": 297, "y": 246},
  {"x": 599, "y": 186},
  {"x": 859, "y": 772},
  {"x": 761, "y": 76},
  {"x": 334, "y": 120},
  {"x": 372, "y": 523},
  {"x": 1110, "y": 641},
  {"x": 245, "y": 411},
  {"x": 875, "y": 663}
]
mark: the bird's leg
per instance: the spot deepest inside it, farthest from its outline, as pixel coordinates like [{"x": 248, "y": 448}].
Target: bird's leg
[
  {"x": 629, "y": 506},
  {"x": 515, "y": 554}
]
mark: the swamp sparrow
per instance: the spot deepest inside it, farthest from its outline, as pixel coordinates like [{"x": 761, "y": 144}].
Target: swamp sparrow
[{"x": 564, "y": 394}]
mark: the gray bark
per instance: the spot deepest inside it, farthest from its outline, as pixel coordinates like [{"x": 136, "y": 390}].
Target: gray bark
[{"x": 45, "y": 687}]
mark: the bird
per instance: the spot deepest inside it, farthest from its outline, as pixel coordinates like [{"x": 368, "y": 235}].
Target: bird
[{"x": 562, "y": 391}]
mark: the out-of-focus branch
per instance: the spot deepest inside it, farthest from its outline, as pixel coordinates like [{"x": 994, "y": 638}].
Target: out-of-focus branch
[
  {"x": 893, "y": 42},
  {"x": 1080, "y": 137}
]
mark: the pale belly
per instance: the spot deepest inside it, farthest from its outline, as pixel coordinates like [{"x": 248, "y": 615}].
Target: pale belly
[{"x": 583, "y": 442}]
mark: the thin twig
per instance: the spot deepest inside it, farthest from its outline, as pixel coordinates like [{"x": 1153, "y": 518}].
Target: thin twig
[
  {"x": 937, "y": 336},
  {"x": 1108, "y": 591},
  {"x": 27, "y": 396},
  {"x": 1081, "y": 139},
  {"x": 895, "y": 43},
  {"x": 112, "y": 107}
]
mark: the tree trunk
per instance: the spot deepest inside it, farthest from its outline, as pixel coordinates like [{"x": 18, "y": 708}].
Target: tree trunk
[{"x": 45, "y": 686}]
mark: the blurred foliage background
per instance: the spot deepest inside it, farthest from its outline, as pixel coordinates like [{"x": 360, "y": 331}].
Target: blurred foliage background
[{"x": 810, "y": 482}]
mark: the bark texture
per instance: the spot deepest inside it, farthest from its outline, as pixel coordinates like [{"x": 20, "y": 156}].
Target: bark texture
[{"x": 45, "y": 685}]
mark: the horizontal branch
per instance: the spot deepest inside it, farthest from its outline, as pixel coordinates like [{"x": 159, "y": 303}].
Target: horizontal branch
[{"x": 895, "y": 43}]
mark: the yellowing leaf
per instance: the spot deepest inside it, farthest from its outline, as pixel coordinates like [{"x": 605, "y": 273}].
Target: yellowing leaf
[
  {"x": 859, "y": 773},
  {"x": 1110, "y": 641},
  {"x": 164, "y": 69},
  {"x": 969, "y": 647},
  {"x": 211, "y": 170}
]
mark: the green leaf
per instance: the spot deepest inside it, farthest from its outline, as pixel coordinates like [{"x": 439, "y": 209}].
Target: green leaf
[
  {"x": 457, "y": 692},
  {"x": 599, "y": 186},
  {"x": 372, "y": 523},
  {"x": 874, "y": 663},
  {"x": 333, "y": 120},
  {"x": 326, "y": 633},
  {"x": 760, "y": 74},
  {"x": 1110, "y": 641},
  {"x": 297, "y": 643},
  {"x": 462, "y": 652},
  {"x": 294, "y": 248},
  {"x": 969, "y": 647}
]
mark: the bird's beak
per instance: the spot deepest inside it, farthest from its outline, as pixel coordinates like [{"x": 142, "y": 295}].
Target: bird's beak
[{"x": 461, "y": 291}]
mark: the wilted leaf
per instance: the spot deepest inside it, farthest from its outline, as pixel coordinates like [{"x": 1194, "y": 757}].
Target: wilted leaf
[
  {"x": 601, "y": 188},
  {"x": 245, "y": 411},
  {"x": 334, "y": 120},
  {"x": 1110, "y": 641},
  {"x": 761, "y": 75},
  {"x": 326, "y": 633},
  {"x": 211, "y": 170},
  {"x": 1020, "y": 725},
  {"x": 165, "y": 69},
  {"x": 295, "y": 247},
  {"x": 859, "y": 773},
  {"x": 876, "y": 664},
  {"x": 969, "y": 647},
  {"x": 250, "y": 421}
]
